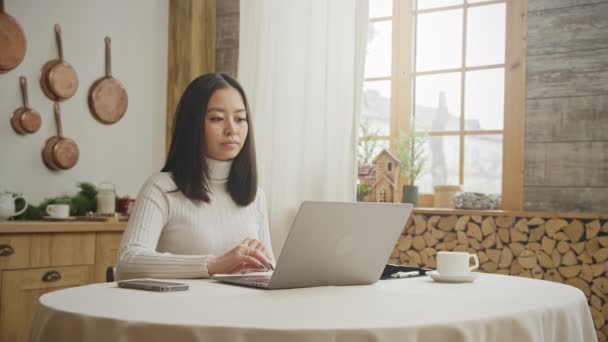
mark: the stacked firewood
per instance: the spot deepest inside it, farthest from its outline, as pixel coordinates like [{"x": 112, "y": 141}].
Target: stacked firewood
[{"x": 569, "y": 251}]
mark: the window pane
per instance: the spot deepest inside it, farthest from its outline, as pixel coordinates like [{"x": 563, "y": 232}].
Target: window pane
[
  {"x": 368, "y": 150},
  {"x": 425, "y": 4},
  {"x": 378, "y": 55},
  {"x": 378, "y": 147},
  {"x": 380, "y": 8},
  {"x": 486, "y": 35},
  {"x": 438, "y": 102},
  {"x": 439, "y": 40},
  {"x": 484, "y": 99},
  {"x": 477, "y": 1},
  {"x": 483, "y": 163},
  {"x": 376, "y": 105},
  {"x": 443, "y": 157}
]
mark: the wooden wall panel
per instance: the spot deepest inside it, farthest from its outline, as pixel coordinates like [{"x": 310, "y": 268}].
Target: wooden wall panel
[
  {"x": 582, "y": 118},
  {"x": 568, "y": 74},
  {"x": 227, "y": 61},
  {"x": 566, "y": 166},
  {"x": 582, "y": 164},
  {"x": 566, "y": 199},
  {"x": 572, "y": 29},
  {"x": 227, "y": 47},
  {"x": 227, "y": 7},
  {"x": 227, "y": 30},
  {"x": 536, "y": 5}
]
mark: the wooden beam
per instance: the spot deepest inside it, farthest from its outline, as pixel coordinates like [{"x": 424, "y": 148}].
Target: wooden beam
[
  {"x": 401, "y": 81},
  {"x": 515, "y": 104},
  {"x": 192, "y": 27}
]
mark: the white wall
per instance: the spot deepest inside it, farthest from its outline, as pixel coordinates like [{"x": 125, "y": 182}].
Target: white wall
[{"x": 125, "y": 153}]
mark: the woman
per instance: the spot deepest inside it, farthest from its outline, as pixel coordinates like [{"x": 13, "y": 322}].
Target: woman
[{"x": 203, "y": 214}]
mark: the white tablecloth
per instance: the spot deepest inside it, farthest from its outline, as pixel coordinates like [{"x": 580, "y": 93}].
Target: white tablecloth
[{"x": 493, "y": 308}]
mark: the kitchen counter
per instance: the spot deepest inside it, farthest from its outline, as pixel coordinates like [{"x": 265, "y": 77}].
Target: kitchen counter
[{"x": 8, "y": 227}]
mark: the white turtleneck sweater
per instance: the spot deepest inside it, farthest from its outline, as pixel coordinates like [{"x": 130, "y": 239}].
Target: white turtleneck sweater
[{"x": 169, "y": 236}]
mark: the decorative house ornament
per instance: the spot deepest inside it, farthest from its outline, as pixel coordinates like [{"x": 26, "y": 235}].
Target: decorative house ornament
[{"x": 382, "y": 178}]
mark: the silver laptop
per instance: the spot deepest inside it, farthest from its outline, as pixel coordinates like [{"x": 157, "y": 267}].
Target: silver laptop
[{"x": 333, "y": 243}]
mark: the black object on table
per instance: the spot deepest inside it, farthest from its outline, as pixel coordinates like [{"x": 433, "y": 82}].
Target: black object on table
[{"x": 392, "y": 271}]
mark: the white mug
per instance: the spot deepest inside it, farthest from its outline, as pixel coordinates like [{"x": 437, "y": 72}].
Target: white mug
[
  {"x": 455, "y": 263},
  {"x": 58, "y": 210}
]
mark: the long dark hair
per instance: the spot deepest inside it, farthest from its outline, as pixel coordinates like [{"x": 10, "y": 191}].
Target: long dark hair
[{"x": 186, "y": 159}]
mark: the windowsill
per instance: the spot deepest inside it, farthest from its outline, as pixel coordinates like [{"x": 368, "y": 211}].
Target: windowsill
[{"x": 471, "y": 212}]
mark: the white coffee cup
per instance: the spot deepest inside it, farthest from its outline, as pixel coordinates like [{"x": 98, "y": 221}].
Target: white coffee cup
[
  {"x": 455, "y": 263},
  {"x": 58, "y": 210}
]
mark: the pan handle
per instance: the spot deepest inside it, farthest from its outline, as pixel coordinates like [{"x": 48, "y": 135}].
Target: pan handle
[
  {"x": 23, "y": 82},
  {"x": 59, "y": 42},
  {"x": 108, "y": 57},
  {"x": 58, "y": 119}
]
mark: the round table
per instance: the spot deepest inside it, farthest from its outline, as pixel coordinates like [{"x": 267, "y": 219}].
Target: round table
[{"x": 493, "y": 308}]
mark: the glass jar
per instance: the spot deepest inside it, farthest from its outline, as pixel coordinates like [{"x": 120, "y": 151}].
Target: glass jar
[{"x": 106, "y": 198}]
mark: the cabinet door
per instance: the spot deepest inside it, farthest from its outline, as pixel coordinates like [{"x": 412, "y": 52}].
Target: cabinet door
[
  {"x": 18, "y": 251},
  {"x": 106, "y": 249},
  {"x": 20, "y": 292}
]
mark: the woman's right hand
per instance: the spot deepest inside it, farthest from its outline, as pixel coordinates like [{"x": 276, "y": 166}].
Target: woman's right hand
[{"x": 241, "y": 258}]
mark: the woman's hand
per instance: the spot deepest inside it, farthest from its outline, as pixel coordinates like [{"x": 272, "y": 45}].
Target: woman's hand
[
  {"x": 258, "y": 246},
  {"x": 249, "y": 255}
]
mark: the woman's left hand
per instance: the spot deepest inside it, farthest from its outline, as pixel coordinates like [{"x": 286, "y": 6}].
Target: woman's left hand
[{"x": 258, "y": 246}]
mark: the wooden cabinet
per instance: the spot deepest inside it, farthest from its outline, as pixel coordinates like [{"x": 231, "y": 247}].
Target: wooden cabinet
[
  {"x": 38, "y": 258},
  {"x": 106, "y": 249},
  {"x": 51, "y": 249},
  {"x": 20, "y": 292}
]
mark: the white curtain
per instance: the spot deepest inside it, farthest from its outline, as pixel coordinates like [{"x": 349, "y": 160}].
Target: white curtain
[{"x": 301, "y": 66}]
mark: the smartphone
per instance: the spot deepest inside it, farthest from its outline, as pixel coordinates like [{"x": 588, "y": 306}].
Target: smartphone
[{"x": 152, "y": 285}]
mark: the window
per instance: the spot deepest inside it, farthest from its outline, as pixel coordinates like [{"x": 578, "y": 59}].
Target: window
[
  {"x": 458, "y": 81},
  {"x": 382, "y": 195},
  {"x": 441, "y": 64},
  {"x": 377, "y": 84}
]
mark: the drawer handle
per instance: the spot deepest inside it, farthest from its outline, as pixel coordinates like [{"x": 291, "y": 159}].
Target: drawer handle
[
  {"x": 6, "y": 250},
  {"x": 51, "y": 276}
]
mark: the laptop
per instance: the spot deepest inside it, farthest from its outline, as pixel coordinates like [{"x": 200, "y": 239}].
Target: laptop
[{"x": 333, "y": 243}]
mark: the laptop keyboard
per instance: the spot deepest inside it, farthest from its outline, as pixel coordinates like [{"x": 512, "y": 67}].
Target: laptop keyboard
[{"x": 257, "y": 279}]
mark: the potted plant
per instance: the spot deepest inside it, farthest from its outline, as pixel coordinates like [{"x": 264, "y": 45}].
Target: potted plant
[
  {"x": 410, "y": 150},
  {"x": 365, "y": 151}
]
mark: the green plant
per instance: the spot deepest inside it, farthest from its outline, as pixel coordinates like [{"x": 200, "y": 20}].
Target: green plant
[
  {"x": 80, "y": 204},
  {"x": 85, "y": 201},
  {"x": 410, "y": 150},
  {"x": 362, "y": 190},
  {"x": 367, "y": 143}
]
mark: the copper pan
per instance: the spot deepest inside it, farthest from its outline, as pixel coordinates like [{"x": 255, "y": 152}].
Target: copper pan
[
  {"x": 47, "y": 153},
  {"x": 47, "y": 149},
  {"x": 60, "y": 152},
  {"x": 60, "y": 77},
  {"x": 108, "y": 98},
  {"x": 44, "y": 83},
  {"x": 25, "y": 119},
  {"x": 15, "y": 121},
  {"x": 12, "y": 41}
]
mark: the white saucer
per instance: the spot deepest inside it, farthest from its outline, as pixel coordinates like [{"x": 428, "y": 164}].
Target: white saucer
[
  {"x": 465, "y": 278},
  {"x": 52, "y": 218}
]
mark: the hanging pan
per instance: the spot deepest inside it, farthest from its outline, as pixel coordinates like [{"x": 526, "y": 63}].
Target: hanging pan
[
  {"x": 58, "y": 79},
  {"x": 12, "y": 41},
  {"x": 59, "y": 152},
  {"x": 107, "y": 97},
  {"x": 24, "y": 119}
]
